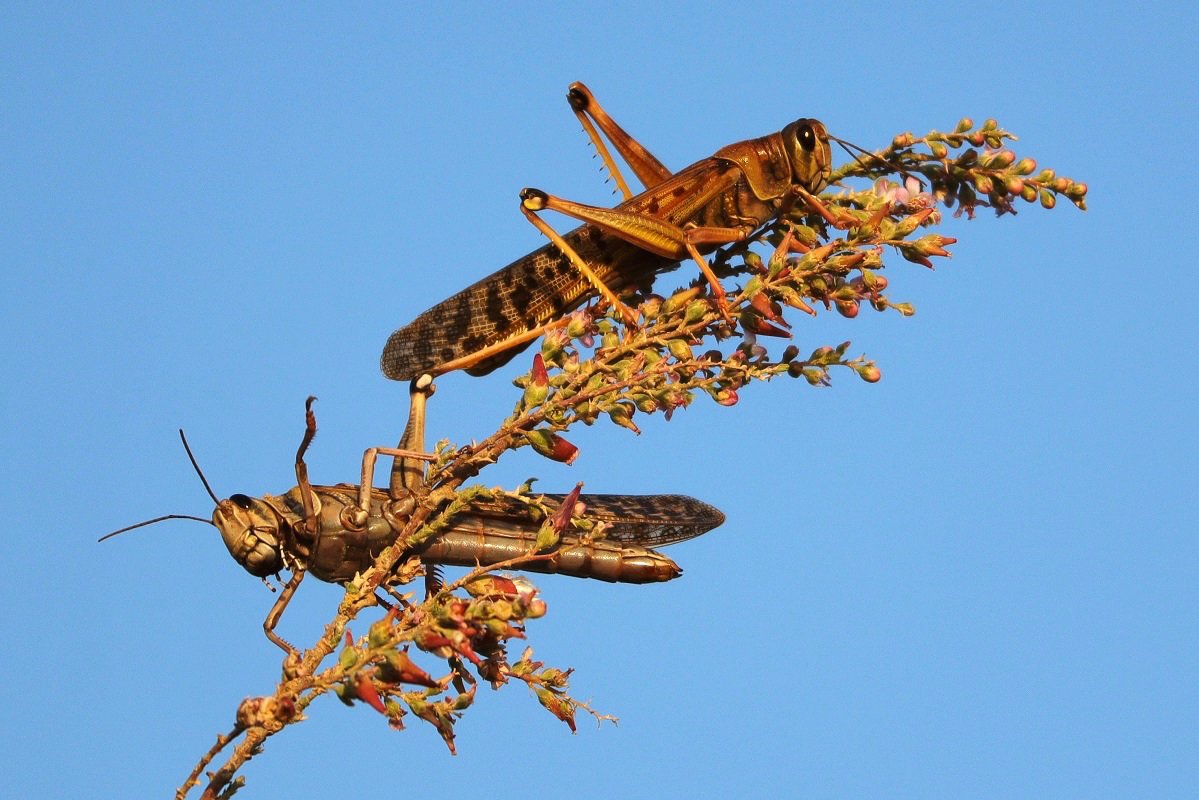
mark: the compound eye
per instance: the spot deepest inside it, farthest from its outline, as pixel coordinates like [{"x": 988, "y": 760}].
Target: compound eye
[
  {"x": 807, "y": 137},
  {"x": 242, "y": 501}
]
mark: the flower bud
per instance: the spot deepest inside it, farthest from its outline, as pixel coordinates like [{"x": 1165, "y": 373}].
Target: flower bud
[
  {"x": 681, "y": 299},
  {"x": 368, "y": 694},
  {"x": 695, "y": 311},
  {"x": 576, "y": 326},
  {"x": 344, "y": 693},
  {"x": 793, "y": 299},
  {"x": 399, "y": 668},
  {"x": 912, "y": 254},
  {"x": 869, "y": 373},
  {"x": 816, "y": 376},
  {"x": 464, "y": 700},
  {"x": 874, "y": 281},
  {"x": 645, "y": 403},
  {"x": 903, "y": 228},
  {"x": 558, "y": 705},
  {"x": 983, "y": 184},
  {"x": 560, "y": 521},
  {"x": 933, "y": 244},
  {"x": 553, "y": 346},
  {"x": 492, "y": 586},
  {"x": 1025, "y": 166},
  {"x": 1003, "y": 158},
  {"x": 547, "y": 537},
  {"x": 380, "y": 632},
  {"x": 817, "y": 255},
  {"x": 538, "y": 385},
  {"x": 761, "y": 327},
  {"x": 348, "y": 657},
  {"x": 679, "y": 349},
  {"x": 651, "y": 306},
  {"x": 552, "y": 446},
  {"x": 623, "y": 416}
]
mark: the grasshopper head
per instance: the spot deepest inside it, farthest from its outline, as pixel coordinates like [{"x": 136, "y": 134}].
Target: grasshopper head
[
  {"x": 251, "y": 530},
  {"x": 806, "y": 141}
]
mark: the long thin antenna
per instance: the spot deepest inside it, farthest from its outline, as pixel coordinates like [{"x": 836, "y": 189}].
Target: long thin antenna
[
  {"x": 203, "y": 480},
  {"x": 197, "y": 468},
  {"x": 152, "y": 521},
  {"x": 846, "y": 145}
]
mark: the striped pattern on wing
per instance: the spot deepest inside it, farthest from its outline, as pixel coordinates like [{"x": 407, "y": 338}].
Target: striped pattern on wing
[
  {"x": 536, "y": 289},
  {"x": 649, "y": 521}
]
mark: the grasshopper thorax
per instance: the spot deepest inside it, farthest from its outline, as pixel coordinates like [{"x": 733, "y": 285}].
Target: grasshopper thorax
[
  {"x": 811, "y": 157},
  {"x": 252, "y": 530}
]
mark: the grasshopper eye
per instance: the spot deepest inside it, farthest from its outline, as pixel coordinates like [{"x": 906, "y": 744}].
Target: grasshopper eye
[
  {"x": 807, "y": 137},
  {"x": 242, "y": 501}
]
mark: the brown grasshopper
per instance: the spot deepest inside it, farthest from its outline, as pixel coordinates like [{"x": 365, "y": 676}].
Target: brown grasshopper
[
  {"x": 335, "y": 532},
  {"x": 720, "y": 200}
]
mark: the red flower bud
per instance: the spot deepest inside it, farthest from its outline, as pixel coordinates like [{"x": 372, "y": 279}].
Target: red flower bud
[
  {"x": 848, "y": 308},
  {"x": 538, "y": 385},
  {"x": 402, "y": 669},
  {"x": 761, "y": 327},
  {"x": 552, "y": 446},
  {"x": 764, "y": 306},
  {"x": 561, "y": 518},
  {"x": 368, "y": 694}
]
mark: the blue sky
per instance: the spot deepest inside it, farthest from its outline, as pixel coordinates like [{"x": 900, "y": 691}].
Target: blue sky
[{"x": 976, "y": 578}]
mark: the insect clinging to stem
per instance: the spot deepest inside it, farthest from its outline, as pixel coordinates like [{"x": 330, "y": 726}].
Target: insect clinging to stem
[
  {"x": 335, "y": 532},
  {"x": 682, "y": 215}
]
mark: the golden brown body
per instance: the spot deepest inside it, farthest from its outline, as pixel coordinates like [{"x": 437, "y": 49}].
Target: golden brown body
[{"x": 719, "y": 199}]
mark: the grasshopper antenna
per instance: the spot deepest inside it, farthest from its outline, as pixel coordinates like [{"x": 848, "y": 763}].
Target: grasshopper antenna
[
  {"x": 196, "y": 467},
  {"x": 203, "y": 480},
  {"x": 850, "y": 147},
  {"x": 152, "y": 521}
]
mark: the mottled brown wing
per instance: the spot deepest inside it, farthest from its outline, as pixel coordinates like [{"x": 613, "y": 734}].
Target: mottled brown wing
[
  {"x": 651, "y": 520},
  {"x": 539, "y": 288}
]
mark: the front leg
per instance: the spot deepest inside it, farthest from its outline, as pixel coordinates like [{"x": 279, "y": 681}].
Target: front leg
[{"x": 276, "y": 612}]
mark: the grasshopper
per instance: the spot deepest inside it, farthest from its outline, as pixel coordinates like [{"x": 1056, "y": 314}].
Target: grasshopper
[
  {"x": 722, "y": 199},
  {"x": 335, "y": 532}
]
